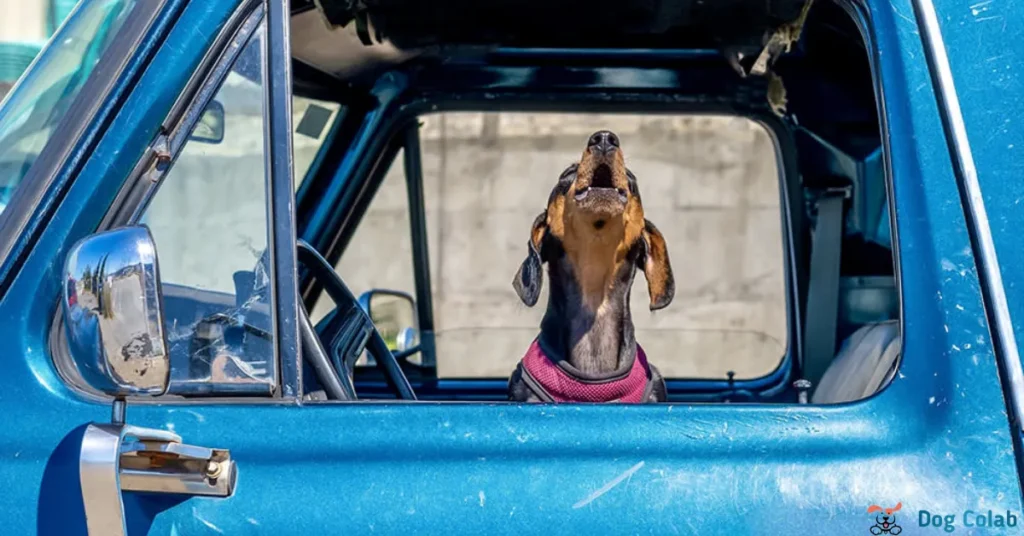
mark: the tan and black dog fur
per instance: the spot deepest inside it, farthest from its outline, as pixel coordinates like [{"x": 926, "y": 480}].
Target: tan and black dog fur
[{"x": 593, "y": 236}]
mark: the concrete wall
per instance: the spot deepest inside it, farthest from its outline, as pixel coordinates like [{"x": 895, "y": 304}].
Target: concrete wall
[
  {"x": 23, "y": 20},
  {"x": 709, "y": 183}
]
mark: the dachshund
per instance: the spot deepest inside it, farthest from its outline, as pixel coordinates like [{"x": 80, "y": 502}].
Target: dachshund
[{"x": 592, "y": 237}]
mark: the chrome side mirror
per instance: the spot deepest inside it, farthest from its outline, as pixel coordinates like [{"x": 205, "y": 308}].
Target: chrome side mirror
[
  {"x": 393, "y": 313},
  {"x": 113, "y": 313},
  {"x": 113, "y": 318}
]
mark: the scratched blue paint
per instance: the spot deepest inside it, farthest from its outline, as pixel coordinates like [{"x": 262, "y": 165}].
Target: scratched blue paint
[
  {"x": 980, "y": 38},
  {"x": 937, "y": 438}
]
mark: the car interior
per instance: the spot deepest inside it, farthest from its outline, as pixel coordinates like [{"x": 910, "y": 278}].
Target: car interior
[{"x": 802, "y": 71}]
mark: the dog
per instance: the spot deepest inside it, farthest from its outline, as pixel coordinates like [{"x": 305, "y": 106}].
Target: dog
[
  {"x": 593, "y": 236},
  {"x": 885, "y": 521}
]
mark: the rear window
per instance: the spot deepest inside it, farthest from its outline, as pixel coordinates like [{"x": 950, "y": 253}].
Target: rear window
[{"x": 710, "y": 184}]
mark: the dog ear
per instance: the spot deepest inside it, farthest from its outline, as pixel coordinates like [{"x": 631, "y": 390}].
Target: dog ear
[
  {"x": 530, "y": 276},
  {"x": 874, "y": 508},
  {"x": 661, "y": 284}
]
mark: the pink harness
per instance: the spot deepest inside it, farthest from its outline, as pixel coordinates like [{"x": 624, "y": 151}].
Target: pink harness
[{"x": 552, "y": 383}]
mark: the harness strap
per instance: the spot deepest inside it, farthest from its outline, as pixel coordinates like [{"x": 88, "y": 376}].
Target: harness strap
[
  {"x": 557, "y": 382},
  {"x": 648, "y": 390},
  {"x": 534, "y": 386}
]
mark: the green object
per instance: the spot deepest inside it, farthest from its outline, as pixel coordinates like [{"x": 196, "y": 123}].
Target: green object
[
  {"x": 15, "y": 58},
  {"x": 37, "y": 104}
]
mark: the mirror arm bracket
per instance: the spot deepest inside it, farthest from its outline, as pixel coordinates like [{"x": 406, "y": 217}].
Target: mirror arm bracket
[
  {"x": 118, "y": 410},
  {"x": 408, "y": 352}
]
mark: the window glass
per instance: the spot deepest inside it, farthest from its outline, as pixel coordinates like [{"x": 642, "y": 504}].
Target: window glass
[
  {"x": 311, "y": 122},
  {"x": 43, "y": 96},
  {"x": 210, "y": 222},
  {"x": 379, "y": 255},
  {"x": 710, "y": 184}
]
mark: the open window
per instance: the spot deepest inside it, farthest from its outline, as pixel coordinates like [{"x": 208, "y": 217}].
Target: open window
[
  {"x": 763, "y": 169},
  {"x": 711, "y": 183}
]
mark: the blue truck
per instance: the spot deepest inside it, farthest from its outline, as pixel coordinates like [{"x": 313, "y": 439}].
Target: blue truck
[{"x": 153, "y": 385}]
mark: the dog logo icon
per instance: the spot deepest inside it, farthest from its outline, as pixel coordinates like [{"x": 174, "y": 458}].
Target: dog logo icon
[{"x": 885, "y": 521}]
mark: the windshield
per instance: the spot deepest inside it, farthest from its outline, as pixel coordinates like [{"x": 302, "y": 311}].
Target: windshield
[{"x": 44, "y": 94}]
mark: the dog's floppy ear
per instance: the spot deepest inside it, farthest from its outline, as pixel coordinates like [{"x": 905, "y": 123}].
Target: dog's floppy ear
[
  {"x": 530, "y": 276},
  {"x": 661, "y": 284}
]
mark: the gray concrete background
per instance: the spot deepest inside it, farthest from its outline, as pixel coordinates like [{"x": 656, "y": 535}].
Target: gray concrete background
[{"x": 709, "y": 183}]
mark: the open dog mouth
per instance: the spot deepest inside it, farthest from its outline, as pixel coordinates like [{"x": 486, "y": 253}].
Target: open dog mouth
[{"x": 601, "y": 189}]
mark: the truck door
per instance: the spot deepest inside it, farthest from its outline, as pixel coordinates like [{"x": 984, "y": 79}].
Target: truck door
[{"x": 936, "y": 440}]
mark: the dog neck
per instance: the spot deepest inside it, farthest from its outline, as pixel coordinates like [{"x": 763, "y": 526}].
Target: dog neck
[{"x": 588, "y": 322}]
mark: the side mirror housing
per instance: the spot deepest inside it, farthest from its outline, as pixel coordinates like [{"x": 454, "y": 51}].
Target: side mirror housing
[
  {"x": 113, "y": 313},
  {"x": 393, "y": 313}
]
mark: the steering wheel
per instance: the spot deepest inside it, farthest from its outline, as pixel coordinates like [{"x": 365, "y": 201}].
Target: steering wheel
[{"x": 348, "y": 330}]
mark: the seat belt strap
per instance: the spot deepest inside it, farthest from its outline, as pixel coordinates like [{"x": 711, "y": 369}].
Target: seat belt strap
[{"x": 822, "y": 312}]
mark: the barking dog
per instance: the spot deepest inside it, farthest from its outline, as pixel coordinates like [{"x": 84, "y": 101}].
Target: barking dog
[{"x": 592, "y": 236}]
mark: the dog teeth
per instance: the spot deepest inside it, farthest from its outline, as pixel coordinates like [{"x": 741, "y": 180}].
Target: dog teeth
[{"x": 580, "y": 196}]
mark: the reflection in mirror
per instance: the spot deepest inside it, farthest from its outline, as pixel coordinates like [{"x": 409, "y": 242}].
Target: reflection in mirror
[
  {"x": 114, "y": 313},
  {"x": 394, "y": 315},
  {"x": 407, "y": 338},
  {"x": 210, "y": 127}
]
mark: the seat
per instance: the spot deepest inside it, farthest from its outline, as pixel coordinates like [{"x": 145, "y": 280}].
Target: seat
[{"x": 865, "y": 363}]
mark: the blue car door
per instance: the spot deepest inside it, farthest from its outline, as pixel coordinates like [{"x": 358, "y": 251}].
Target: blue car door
[{"x": 937, "y": 440}]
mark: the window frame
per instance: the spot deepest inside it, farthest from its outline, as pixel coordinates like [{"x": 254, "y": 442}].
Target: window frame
[
  {"x": 280, "y": 166},
  {"x": 151, "y": 168},
  {"x": 360, "y": 183}
]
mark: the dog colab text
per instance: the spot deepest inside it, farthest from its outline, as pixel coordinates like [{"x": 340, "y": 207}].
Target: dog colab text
[{"x": 969, "y": 519}]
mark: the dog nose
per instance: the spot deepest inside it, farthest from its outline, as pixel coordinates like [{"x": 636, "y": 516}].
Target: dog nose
[{"x": 604, "y": 141}]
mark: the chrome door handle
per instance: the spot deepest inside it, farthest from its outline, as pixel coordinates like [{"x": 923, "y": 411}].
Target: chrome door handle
[{"x": 121, "y": 457}]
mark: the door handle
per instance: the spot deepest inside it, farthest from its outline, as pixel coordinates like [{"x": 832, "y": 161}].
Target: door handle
[{"x": 121, "y": 457}]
